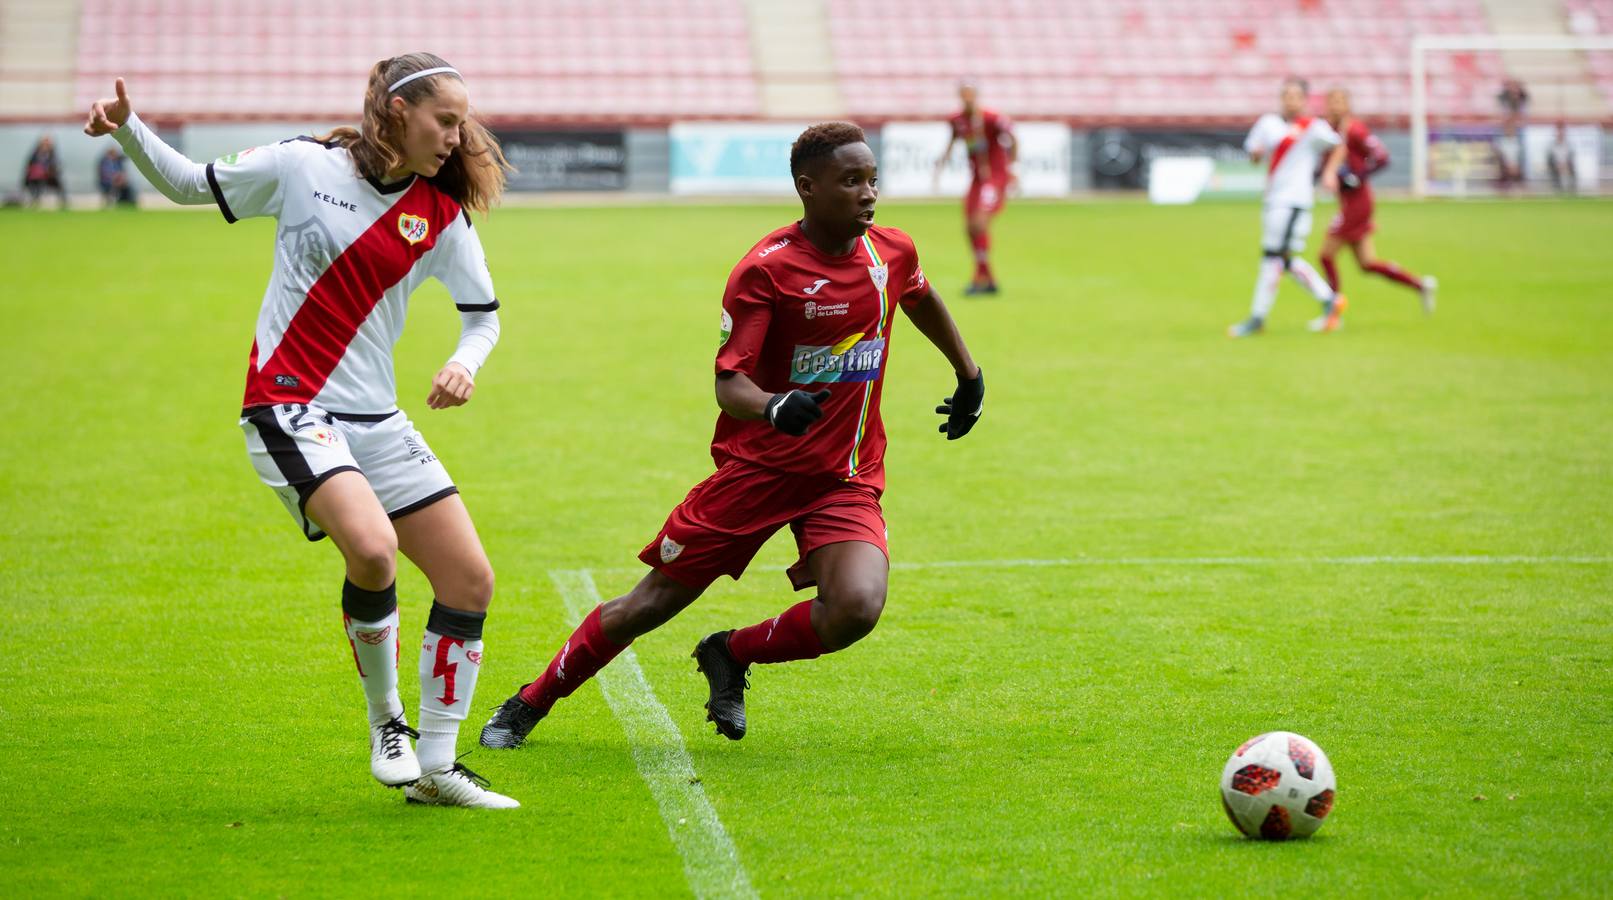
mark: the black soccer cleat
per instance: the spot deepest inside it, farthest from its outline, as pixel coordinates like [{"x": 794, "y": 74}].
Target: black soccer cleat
[
  {"x": 728, "y": 682},
  {"x": 510, "y": 725}
]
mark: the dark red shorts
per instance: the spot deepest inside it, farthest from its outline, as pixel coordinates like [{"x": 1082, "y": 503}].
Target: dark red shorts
[
  {"x": 727, "y": 518},
  {"x": 986, "y": 196},
  {"x": 1353, "y": 220}
]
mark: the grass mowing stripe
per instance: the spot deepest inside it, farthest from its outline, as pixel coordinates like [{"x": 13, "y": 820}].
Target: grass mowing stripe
[{"x": 710, "y": 861}]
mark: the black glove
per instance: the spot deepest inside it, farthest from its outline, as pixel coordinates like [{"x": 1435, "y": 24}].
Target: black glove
[
  {"x": 793, "y": 412},
  {"x": 964, "y": 407},
  {"x": 1350, "y": 179}
]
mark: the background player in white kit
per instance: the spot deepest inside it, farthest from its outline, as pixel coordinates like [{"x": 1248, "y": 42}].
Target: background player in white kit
[
  {"x": 1291, "y": 143},
  {"x": 364, "y": 217}
]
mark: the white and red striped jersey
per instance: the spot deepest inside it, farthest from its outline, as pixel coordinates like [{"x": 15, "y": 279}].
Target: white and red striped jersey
[
  {"x": 348, "y": 253},
  {"x": 1293, "y": 151}
]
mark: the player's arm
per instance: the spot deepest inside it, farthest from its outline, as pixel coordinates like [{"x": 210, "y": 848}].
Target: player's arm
[
  {"x": 169, "y": 171},
  {"x": 1011, "y": 144},
  {"x": 1330, "y": 168},
  {"x": 933, "y": 320},
  {"x": 747, "y": 311},
  {"x": 461, "y": 265}
]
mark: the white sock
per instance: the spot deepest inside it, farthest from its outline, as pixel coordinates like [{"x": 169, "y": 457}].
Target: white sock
[
  {"x": 375, "y": 650},
  {"x": 449, "y": 665},
  {"x": 1271, "y": 271},
  {"x": 1305, "y": 275}
]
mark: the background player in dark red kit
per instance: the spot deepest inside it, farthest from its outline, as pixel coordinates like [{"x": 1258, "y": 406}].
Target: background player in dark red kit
[
  {"x": 806, "y": 323},
  {"x": 988, "y": 138},
  {"x": 1353, "y": 226}
]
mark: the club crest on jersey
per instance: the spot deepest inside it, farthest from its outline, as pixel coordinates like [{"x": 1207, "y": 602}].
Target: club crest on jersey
[
  {"x": 670, "y": 549},
  {"x": 413, "y": 228},
  {"x": 880, "y": 275}
]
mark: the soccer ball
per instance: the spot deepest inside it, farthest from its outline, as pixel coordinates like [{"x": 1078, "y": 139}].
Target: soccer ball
[{"x": 1278, "y": 785}]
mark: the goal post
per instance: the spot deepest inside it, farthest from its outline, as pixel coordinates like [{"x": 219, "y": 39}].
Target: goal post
[{"x": 1424, "y": 45}]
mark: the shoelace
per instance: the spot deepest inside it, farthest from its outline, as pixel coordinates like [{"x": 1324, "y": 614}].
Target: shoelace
[
  {"x": 392, "y": 735},
  {"x": 478, "y": 780}
]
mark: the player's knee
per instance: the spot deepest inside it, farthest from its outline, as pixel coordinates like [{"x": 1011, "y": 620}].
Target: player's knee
[
  {"x": 853, "y": 613},
  {"x": 476, "y": 587},
  {"x": 372, "y": 559}
]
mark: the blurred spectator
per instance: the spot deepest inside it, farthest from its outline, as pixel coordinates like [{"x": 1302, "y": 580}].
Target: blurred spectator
[
  {"x": 43, "y": 171},
  {"x": 111, "y": 174},
  {"x": 1560, "y": 162},
  {"x": 1514, "y": 100},
  {"x": 1509, "y": 156}
]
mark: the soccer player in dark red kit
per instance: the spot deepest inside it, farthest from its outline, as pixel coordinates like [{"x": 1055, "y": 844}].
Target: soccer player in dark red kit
[
  {"x": 806, "y": 323},
  {"x": 988, "y": 139},
  {"x": 1353, "y": 225}
]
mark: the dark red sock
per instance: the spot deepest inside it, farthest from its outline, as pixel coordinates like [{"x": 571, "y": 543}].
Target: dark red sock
[
  {"x": 584, "y": 654},
  {"x": 1394, "y": 272},
  {"x": 981, "y": 241},
  {"x": 1331, "y": 267},
  {"x": 790, "y": 636}
]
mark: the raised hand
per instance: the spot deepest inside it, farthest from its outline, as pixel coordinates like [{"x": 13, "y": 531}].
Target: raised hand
[{"x": 107, "y": 116}]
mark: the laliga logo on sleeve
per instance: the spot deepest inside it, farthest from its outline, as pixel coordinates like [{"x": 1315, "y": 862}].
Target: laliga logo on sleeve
[
  {"x": 727, "y": 327},
  {"x": 413, "y": 228}
]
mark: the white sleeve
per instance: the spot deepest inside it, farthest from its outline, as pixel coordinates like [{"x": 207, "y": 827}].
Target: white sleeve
[
  {"x": 1256, "y": 141},
  {"x": 248, "y": 183},
  {"x": 1323, "y": 134},
  {"x": 478, "y": 332},
  {"x": 168, "y": 170},
  {"x": 461, "y": 266}
]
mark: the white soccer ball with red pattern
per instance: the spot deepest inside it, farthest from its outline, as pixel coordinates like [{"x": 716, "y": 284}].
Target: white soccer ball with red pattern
[{"x": 1278, "y": 785}]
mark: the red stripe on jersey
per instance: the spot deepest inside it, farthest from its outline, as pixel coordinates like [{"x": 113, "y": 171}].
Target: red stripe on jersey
[
  {"x": 1300, "y": 126},
  {"x": 343, "y": 297}
]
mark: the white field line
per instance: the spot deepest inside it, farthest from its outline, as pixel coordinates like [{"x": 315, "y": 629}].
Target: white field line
[
  {"x": 710, "y": 861},
  {"x": 1229, "y": 561}
]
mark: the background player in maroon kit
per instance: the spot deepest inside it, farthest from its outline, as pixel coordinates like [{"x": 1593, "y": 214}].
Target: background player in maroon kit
[
  {"x": 807, "y": 317},
  {"x": 988, "y": 138},
  {"x": 1353, "y": 226}
]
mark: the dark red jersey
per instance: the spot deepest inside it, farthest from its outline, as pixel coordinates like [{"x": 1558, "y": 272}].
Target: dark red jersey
[
  {"x": 986, "y": 137},
  {"x": 796, "y": 318},
  {"x": 1364, "y": 154}
]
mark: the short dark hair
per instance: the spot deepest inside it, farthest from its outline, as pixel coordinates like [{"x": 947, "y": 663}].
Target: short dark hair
[
  {"x": 1304, "y": 86},
  {"x": 821, "y": 141}
]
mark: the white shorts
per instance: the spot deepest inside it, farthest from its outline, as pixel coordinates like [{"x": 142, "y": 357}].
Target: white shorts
[
  {"x": 296, "y": 448},
  {"x": 1284, "y": 229}
]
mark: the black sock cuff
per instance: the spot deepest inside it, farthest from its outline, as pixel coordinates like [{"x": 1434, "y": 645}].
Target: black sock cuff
[
  {"x": 369, "y": 606},
  {"x": 455, "y": 623}
]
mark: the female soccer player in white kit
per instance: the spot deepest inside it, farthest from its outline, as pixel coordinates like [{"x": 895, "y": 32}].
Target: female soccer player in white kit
[
  {"x": 1300, "y": 147},
  {"x": 365, "y": 216}
]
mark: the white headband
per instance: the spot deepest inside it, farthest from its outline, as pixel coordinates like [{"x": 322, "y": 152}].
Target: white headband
[{"x": 422, "y": 74}]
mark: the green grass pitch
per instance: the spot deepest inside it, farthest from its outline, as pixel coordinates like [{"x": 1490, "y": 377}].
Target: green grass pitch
[{"x": 1252, "y": 535}]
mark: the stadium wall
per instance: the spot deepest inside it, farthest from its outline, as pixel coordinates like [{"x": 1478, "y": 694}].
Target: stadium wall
[{"x": 641, "y": 161}]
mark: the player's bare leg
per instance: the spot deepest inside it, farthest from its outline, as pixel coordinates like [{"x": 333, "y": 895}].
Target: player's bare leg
[
  {"x": 442, "y": 541},
  {"x": 604, "y": 632},
  {"x": 346, "y": 508},
  {"x": 978, "y": 228},
  {"x": 852, "y": 577},
  {"x": 1366, "y": 256},
  {"x": 1330, "y": 259}
]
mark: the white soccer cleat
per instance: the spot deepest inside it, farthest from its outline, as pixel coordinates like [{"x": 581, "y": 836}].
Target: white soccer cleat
[
  {"x": 457, "y": 786},
  {"x": 1430, "y": 287},
  {"x": 392, "y": 759}
]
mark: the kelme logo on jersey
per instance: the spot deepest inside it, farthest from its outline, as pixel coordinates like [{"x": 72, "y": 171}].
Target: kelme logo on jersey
[
  {"x": 852, "y": 359},
  {"x": 413, "y": 228}
]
